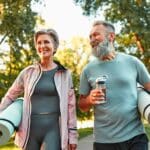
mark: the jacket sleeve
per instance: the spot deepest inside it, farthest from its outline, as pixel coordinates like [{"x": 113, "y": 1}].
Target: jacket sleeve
[
  {"x": 72, "y": 118},
  {"x": 13, "y": 92}
]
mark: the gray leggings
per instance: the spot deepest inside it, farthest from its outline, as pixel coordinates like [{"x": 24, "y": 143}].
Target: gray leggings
[{"x": 44, "y": 133}]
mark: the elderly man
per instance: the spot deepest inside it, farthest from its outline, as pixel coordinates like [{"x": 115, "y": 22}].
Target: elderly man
[{"x": 117, "y": 124}]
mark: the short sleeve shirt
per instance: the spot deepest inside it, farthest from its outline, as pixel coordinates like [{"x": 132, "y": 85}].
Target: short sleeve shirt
[{"x": 118, "y": 119}]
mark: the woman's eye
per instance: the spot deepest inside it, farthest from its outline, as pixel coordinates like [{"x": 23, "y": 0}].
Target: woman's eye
[
  {"x": 46, "y": 42},
  {"x": 43, "y": 42},
  {"x": 38, "y": 43}
]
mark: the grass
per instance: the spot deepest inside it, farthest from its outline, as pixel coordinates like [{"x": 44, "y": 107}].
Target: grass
[
  {"x": 85, "y": 132},
  {"x": 10, "y": 145},
  {"x": 147, "y": 129},
  {"x": 82, "y": 133}
]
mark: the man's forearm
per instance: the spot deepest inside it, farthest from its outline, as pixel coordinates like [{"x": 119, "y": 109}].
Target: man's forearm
[
  {"x": 147, "y": 86},
  {"x": 84, "y": 103}
]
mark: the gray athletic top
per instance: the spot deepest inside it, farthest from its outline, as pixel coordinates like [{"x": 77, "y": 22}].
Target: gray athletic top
[
  {"x": 45, "y": 97},
  {"x": 118, "y": 119}
]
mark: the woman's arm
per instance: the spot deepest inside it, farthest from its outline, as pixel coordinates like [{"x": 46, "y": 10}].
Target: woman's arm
[{"x": 13, "y": 92}]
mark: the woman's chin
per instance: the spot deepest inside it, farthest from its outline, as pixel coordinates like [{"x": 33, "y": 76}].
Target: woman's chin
[{"x": 45, "y": 56}]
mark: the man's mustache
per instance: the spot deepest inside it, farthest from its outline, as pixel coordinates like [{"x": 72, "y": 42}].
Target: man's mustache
[{"x": 94, "y": 44}]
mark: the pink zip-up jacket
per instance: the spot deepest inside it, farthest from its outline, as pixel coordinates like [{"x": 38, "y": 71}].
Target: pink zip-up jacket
[{"x": 25, "y": 84}]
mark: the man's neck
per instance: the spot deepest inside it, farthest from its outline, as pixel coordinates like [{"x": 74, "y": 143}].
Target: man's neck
[{"x": 109, "y": 56}]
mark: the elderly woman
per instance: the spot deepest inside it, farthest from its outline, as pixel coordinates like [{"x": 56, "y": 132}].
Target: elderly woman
[{"x": 49, "y": 108}]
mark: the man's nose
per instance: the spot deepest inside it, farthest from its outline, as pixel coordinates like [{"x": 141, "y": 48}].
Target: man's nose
[{"x": 93, "y": 40}]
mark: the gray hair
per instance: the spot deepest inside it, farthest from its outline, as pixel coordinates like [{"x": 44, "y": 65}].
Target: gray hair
[
  {"x": 108, "y": 25},
  {"x": 52, "y": 33}
]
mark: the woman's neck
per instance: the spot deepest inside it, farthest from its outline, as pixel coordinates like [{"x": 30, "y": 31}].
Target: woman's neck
[{"x": 47, "y": 65}]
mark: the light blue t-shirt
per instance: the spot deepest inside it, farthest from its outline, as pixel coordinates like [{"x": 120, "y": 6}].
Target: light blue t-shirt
[{"x": 117, "y": 120}]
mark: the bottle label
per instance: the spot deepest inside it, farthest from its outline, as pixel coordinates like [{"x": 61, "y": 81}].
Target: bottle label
[{"x": 101, "y": 84}]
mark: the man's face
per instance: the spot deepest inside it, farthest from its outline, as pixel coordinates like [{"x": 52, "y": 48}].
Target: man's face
[
  {"x": 99, "y": 41},
  {"x": 97, "y": 35},
  {"x": 103, "y": 49}
]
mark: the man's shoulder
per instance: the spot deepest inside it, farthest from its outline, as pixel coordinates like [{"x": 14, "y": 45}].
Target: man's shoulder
[
  {"x": 91, "y": 64},
  {"x": 127, "y": 56}
]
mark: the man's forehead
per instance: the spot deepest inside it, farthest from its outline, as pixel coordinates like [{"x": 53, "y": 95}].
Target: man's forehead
[{"x": 98, "y": 29}]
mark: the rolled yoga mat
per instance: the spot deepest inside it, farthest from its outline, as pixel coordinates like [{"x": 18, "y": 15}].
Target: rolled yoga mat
[
  {"x": 9, "y": 120},
  {"x": 144, "y": 103}
]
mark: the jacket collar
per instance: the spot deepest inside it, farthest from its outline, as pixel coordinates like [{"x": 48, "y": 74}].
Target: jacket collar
[{"x": 60, "y": 67}]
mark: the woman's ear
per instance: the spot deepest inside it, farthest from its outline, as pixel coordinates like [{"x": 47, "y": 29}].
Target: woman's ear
[{"x": 54, "y": 52}]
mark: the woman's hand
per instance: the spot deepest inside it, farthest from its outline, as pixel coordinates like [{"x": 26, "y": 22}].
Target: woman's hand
[{"x": 72, "y": 146}]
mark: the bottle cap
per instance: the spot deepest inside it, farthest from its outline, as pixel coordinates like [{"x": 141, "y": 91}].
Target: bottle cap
[
  {"x": 100, "y": 82},
  {"x": 101, "y": 79}
]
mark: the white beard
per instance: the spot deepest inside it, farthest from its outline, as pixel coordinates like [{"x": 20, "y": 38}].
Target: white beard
[{"x": 103, "y": 49}]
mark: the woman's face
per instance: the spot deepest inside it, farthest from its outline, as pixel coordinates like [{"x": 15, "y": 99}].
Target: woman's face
[{"x": 44, "y": 46}]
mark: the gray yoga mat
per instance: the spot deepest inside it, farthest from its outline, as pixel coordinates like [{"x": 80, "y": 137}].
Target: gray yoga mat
[
  {"x": 9, "y": 120},
  {"x": 144, "y": 104}
]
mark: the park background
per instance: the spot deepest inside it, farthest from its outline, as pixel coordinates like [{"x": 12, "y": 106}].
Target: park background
[{"x": 19, "y": 19}]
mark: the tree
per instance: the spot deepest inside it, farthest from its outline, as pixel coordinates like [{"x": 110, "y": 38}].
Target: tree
[
  {"x": 74, "y": 55},
  {"x": 17, "y": 24},
  {"x": 134, "y": 17}
]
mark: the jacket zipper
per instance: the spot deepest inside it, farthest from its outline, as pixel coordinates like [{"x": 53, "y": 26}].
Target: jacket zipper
[
  {"x": 33, "y": 86},
  {"x": 59, "y": 106}
]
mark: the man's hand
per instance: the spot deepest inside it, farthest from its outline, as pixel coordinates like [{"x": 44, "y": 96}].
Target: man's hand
[{"x": 96, "y": 95}]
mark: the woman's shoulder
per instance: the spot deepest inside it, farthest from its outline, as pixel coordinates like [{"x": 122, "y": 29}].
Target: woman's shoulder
[{"x": 30, "y": 68}]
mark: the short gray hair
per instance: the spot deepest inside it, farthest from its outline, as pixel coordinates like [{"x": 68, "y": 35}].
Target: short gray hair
[
  {"x": 52, "y": 33},
  {"x": 108, "y": 25}
]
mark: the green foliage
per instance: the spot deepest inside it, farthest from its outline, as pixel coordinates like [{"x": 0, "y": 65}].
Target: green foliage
[
  {"x": 75, "y": 58},
  {"x": 147, "y": 129},
  {"x": 17, "y": 23},
  {"x": 134, "y": 17}
]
